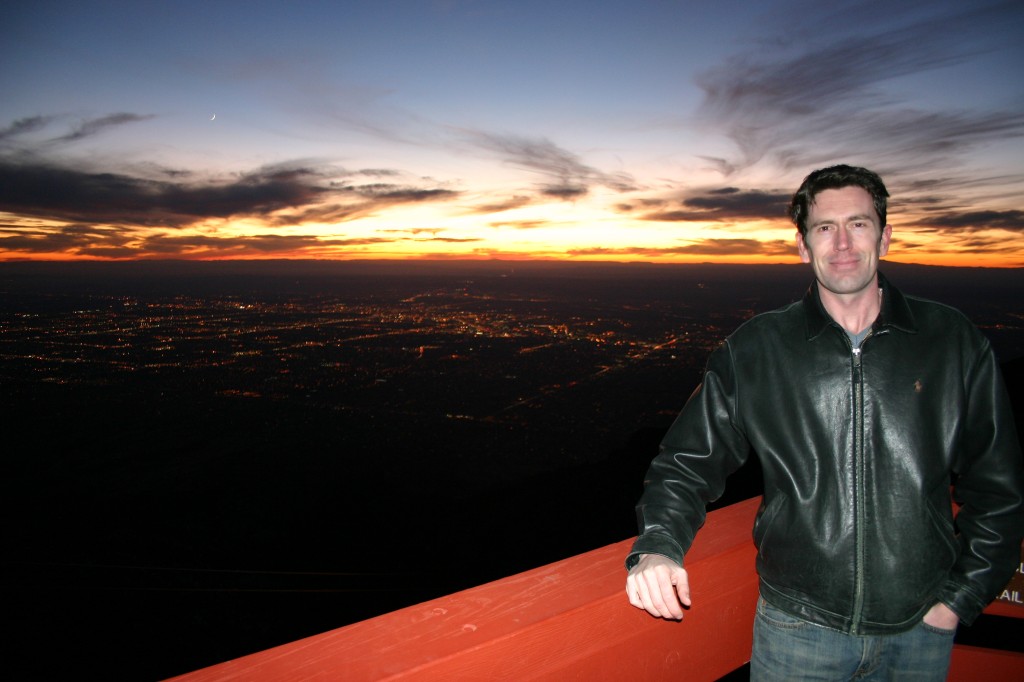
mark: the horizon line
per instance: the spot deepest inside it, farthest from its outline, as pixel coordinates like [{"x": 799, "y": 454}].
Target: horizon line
[{"x": 465, "y": 261}]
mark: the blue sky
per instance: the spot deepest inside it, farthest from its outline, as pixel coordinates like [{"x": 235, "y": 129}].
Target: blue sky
[{"x": 662, "y": 131}]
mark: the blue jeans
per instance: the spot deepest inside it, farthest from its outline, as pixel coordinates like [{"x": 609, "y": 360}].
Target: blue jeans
[{"x": 787, "y": 648}]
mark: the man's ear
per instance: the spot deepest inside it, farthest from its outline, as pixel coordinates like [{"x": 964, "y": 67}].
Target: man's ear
[
  {"x": 801, "y": 247},
  {"x": 883, "y": 243}
]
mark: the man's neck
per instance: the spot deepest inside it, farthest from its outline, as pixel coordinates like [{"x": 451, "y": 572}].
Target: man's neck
[{"x": 853, "y": 312}]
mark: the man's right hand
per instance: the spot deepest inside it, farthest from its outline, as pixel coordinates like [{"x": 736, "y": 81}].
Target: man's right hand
[{"x": 659, "y": 586}]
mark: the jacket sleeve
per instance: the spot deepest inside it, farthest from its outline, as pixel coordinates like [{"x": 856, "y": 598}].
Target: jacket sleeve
[
  {"x": 702, "y": 447},
  {"x": 989, "y": 491}
]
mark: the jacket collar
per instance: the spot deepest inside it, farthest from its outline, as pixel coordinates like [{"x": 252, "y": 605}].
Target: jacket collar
[{"x": 895, "y": 313}]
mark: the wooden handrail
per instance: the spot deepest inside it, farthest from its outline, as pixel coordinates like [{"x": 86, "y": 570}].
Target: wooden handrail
[{"x": 566, "y": 620}]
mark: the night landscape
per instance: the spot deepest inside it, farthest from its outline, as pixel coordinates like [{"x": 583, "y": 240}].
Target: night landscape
[{"x": 213, "y": 459}]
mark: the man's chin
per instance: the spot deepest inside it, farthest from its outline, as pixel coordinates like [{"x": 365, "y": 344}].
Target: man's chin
[{"x": 845, "y": 286}]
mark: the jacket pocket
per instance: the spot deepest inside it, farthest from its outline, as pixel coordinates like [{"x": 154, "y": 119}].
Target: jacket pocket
[
  {"x": 942, "y": 528},
  {"x": 765, "y": 519}
]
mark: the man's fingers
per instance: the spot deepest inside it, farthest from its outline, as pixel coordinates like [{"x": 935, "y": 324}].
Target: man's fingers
[
  {"x": 682, "y": 583},
  {"x": 662, "y": 593},
  {"x": 633, "y": 590},
  {"x": 647, "y": 601},
  {"x": 669, "y": 600},
  {"x": 660, "y": 587},
  {"x": 636, "y": 589}
]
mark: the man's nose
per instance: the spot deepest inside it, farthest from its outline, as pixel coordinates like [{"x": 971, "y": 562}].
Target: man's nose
[{"x": 842, "y": 242}]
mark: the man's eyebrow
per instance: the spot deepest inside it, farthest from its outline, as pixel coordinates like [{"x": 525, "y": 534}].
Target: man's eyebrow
[{"x": 858, "y": 216}]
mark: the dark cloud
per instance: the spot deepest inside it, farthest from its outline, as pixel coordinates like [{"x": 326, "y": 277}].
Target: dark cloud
[
  {"x": 726, "y": 204},
  {"x": 394, "y": 194},
  {"x": 77, "y": 196},
  {"x": 987, "y": 245},
  {"x": 642, "y": 203},
  {"x": 567, "y": 192},
  {"x": 734, "y": 203},
  {"x": 145, "y": 195},
  {"x": 959, "y": 242},
  {"x": 379, "y": 172},
  {"x": 280, "y": 194},
  {"x": 359, "y": 202},
  {"x": 973, "y": 244},
  {"x": 678, "y": 216},
  {"x": 907, "y": 245},
  {"x": 498, "y": 207},
  {"x": 1012, "y": 221}
]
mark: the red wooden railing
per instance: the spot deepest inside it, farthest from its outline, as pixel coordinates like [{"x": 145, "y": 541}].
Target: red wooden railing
[{"x": 569, "y": 620}]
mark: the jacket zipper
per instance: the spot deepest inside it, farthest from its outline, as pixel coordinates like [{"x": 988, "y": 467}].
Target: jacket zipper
[{"x": 858, "y": 485}]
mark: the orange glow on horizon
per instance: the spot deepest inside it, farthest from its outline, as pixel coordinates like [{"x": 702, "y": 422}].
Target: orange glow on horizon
[
  {"x": 548, "y": 233},
  {"x": 933, "y": 259}
]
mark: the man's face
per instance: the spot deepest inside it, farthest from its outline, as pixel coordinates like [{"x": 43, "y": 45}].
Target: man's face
[{"x": 844, "y": 240}]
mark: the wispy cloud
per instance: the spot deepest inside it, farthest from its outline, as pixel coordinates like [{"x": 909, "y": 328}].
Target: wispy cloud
[
  {"x": 261, "y": 243},
  {"x": 819, "y": 91},
  {"x": 564, "y": 174},
  {"x": 450, "y": 240},
  {"x": 68, "y": 238},
  {"x": 24, "y": 126},
  {"x": 521, "y": 224},
  {"x": 94, "y": 126},
  {"x": 114, "y": 242}
]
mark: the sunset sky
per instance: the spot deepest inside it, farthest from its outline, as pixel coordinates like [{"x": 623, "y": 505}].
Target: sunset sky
[{"x": 564, "y": 129}]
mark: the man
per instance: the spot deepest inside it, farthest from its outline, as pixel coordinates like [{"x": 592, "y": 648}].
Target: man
[{"x": 863, "y": 405}]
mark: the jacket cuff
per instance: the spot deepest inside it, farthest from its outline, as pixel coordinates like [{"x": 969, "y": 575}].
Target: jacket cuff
[
  {"x": 654, "y": 544},
  {"x": 962, "y": 601}
]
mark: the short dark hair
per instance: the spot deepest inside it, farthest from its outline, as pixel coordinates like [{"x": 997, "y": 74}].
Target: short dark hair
[{"x": 836, "y": 177}]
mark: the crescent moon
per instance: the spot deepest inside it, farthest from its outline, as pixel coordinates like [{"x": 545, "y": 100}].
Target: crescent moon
[{"x": 214, "y": 117}]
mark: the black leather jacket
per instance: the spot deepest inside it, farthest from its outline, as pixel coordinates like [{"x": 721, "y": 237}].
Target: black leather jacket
[{"x": 856, "y": 530}]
